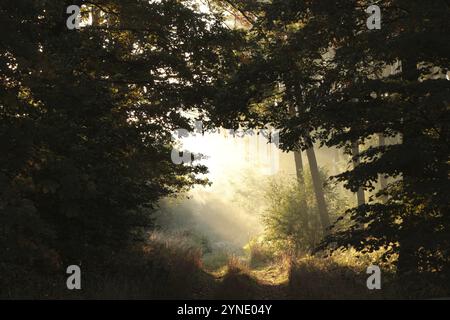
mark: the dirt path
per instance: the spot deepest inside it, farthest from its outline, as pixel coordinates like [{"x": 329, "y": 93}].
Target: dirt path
[{"x": 268, "y": 282}]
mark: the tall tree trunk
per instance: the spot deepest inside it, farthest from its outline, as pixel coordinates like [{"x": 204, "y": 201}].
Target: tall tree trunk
[
  {"x": 317, "y": 183},
  {"x": 355, "y": 158},
  {"x": 407, "y": 257},
  {"x": 299, "y": 170},
  {"x": 336, "y": 160},
  {"x": 382, "y": 179},
  {"x": 318, "y": 190}
]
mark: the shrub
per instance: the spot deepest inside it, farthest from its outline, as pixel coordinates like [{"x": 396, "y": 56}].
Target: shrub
[{"x": 291, "y": 219}]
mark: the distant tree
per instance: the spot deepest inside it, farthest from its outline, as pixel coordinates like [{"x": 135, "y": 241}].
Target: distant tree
[
  {"x": 260, "y": 93},
  {"x": 355, "y": 156}
]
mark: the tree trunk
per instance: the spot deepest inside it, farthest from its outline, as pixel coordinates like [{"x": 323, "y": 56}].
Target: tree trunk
[
  {"x": 318, "y": 190},
  {"x": 382, "y": 179},
  {"x": 407, "y": 256},
  {"x": 299, "y": 168},
  {"x": 407, "y": 262},
  {"x": 317, "y": 183},
  {"x": 336, "y": 160},
  {"x": 355, "y": 153}
]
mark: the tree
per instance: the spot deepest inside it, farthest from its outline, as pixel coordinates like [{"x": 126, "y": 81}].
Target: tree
[
  {"x": 266, "y": 90},
  {"x": 355, "y": 157},
  {"x": 318, "y": 190},
  {"x": 87, "y": 117},
  {"x": 382, "y": 178},
  {"x": 411, "y": 102},
  {"x": 331, "y": 67}
]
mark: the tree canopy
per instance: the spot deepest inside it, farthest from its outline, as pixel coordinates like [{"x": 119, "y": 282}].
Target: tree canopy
[
  {"x": 87, "y": 117},
  {"x": 349, "y": 84}
]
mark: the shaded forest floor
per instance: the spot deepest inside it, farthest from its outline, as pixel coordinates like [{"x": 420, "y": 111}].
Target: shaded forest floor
[
  {"x": 168, "y": 270},
  {"x": 305, "y": 279},
  {"x": 308, "y": 278},
  {"x": 240, "y": 282}
]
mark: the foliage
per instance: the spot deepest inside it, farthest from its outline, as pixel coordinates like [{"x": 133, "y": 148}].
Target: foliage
[
  {"x": 86, "y": 118},
  {"x": 259, "y": 253},
  {"x": 154, "y": 270},
  {"x": 86, "y": 121},
  {"x": 347, "y": 84},
  {"x": 290, "y": 226}
]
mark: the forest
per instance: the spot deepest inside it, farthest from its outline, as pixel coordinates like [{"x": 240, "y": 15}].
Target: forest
[{"x": 224, "y": 149}]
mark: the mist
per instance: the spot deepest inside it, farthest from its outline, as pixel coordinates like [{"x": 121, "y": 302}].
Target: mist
[{"x": 228, "y": 211}]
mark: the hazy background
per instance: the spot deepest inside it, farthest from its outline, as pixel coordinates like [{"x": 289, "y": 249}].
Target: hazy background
[{"x": 228, "y": 211}]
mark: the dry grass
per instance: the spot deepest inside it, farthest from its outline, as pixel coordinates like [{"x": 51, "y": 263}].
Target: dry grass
[
  {"x": 237, "y": 264},
  {"x": 167, "y": 267},
  {"x": 236, "y": 283},
  {"x": 170, "y": 267},
  {"x": 339, "y": 276},
  {"x": 259, "y": 255}
]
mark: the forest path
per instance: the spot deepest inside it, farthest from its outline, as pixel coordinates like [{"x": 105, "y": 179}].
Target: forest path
[
  {"x": 265, "y": 282},
  {"x": 272, "y": 281}
]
